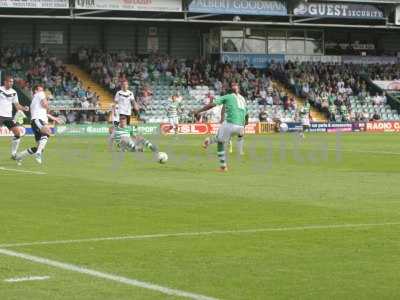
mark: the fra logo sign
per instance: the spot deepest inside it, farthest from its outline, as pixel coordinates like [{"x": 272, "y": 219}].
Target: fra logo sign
[{"x": 85, "y": 4}]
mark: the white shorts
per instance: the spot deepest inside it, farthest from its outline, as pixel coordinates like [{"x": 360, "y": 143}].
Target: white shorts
[
  {"x": 227, "y": 130},
  {"x": 174, "y": 121},
  {"x": 305, "y": 122}
]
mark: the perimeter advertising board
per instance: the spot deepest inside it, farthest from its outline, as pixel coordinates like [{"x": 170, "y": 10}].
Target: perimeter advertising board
[
  {"x": 239, "y": 7},
  {"x": 145, "y": 5},
  {"x": 53, "y": 4}
]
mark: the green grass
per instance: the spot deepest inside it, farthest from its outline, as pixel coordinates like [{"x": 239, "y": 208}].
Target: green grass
[{"x": 89, "y": 192}]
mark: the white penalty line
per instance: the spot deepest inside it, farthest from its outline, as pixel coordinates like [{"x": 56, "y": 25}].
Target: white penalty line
[
  {"x": 29, "y": 278},
  {"x": 200, "y": 233},
  {"x": 106, "y": 276},
  {"x": 22, "y": 171}
]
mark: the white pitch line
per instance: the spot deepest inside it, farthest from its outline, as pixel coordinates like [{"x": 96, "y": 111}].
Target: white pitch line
[
  {"x": 29, "y": 278},
  {"x": 360, "y": 151},
  {"x": 22, "y": 171},
  {"x": 199, "y": 233},
  {"x": 107, "y": 276}
]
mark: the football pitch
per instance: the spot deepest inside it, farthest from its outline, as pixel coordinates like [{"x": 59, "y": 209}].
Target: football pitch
[{"x": 317, "y": 218}]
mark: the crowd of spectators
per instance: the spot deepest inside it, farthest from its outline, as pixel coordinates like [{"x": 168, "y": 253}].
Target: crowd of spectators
[
  {"x": 66, "y": 92},
  {"x": 111, "y": 69},
  {"x": 331, "y": 88},
  {"x": 337, "y": 88}
]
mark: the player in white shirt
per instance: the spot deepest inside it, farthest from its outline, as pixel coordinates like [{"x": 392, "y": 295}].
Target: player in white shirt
[
  {"x": 8, "y": 98},
  {"x": 39, "y": 122},
  {"x": 126, "y": 101}
]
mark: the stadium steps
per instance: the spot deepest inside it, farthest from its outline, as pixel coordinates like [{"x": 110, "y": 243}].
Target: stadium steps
[
  {"x": 106, "y": 98},
  {"x": 316, "y": 115}
]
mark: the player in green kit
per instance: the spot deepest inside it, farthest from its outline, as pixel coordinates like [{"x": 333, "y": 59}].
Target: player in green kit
[
  {"x": 173, "y": 109},
  {"x": 304, "y": 115},
  {"x": 126, "y": 138},
  {"x": 236, "y": 116}
]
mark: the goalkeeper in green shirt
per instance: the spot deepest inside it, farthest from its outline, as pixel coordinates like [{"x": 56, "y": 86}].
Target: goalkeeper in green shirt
[{"x": 236, "y": 118}]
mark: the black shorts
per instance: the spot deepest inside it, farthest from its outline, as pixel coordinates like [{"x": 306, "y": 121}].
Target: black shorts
[
  {"x": 37, "y": 125},
  {"x": 128, "y": 118},
  {"x": 8, "y": 122}
]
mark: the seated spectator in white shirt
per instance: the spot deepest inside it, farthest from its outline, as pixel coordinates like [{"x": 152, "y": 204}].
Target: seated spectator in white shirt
[
  {"x": 263, "y": 94},
  {"x": 306, "y": 88},
  {"x": 269, "y": 100},
  {"x": 85, "y": 104},
  {"x": 376, "y": 100},
  {"x": 270, "y": 89},
  {"x": 342, "y": 90},
  {"x": 71, "y": 117},
  {"x": 218, "y": 86}
]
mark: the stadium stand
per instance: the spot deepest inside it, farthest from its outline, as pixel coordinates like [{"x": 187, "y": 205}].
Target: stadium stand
[
  {"x": 70, "y": 99},
  {"x": 84, "y": 93},
  {"x": 336, "y": 90},
  {"x": 30, "y": 68},
  {"x": 156, "y": 78},
  {"x": 340, "y": 90},
  {"x": 105, "y": 97}
]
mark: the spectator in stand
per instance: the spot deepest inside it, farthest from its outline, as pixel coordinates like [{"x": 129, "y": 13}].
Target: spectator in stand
[
  {"x": 41, "y": 67},
  {"x": 376, "y": 117},
  {"x": 263, "y": 95},
  {"x": 263, "y": 116}
]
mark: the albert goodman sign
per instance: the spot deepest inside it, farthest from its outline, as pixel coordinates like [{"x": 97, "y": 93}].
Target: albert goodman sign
[{"x": 239, "y": 7}]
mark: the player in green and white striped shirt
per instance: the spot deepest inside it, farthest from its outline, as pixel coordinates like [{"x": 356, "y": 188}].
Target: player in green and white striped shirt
[
  {"x": 304, "y": 115},
  {"x": 127, "y": 139},
  {"x": 172, "y": 112}
]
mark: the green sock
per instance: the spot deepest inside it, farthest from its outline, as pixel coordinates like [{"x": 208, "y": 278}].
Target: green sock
[{"x": 221, "y": 155}]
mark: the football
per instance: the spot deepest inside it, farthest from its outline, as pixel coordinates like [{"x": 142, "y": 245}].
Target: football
[
  {"x": 162, "y": 157},
  {"x": 283, "y": 127}
]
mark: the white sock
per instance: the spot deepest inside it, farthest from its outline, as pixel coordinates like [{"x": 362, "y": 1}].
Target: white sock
[
  {"x": 240, "y": 144},
  {"x": 131, "y": 145},
  {"x": 42, "y": 144},
  {"x": 14, "y": 145},
  {"x": 26, "y": 153},
  {"x": 111, "y": 140}
]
